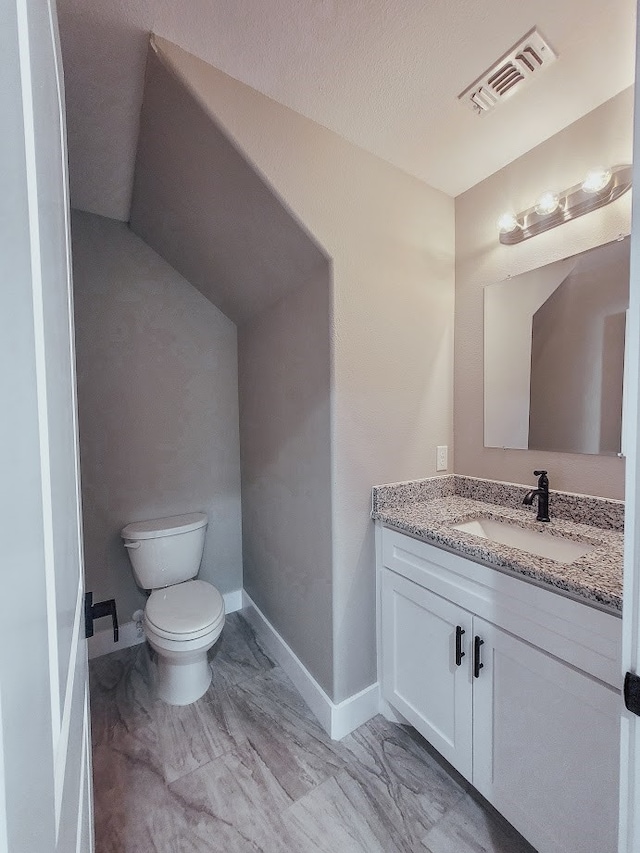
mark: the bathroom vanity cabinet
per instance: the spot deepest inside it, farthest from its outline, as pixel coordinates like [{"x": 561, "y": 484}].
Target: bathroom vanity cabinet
[{"x": 515, "y": 685}]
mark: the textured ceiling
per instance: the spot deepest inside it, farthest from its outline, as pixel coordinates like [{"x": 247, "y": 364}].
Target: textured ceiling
[{"x": 383, "y": 74}]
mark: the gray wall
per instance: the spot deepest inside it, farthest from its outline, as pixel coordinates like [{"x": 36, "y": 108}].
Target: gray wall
[
  {"x": 158, "y": 407},
  {"x": 390, "y": 240},
  {"x": 285, "y": 441},
  {"x": 602, "y": 136}
]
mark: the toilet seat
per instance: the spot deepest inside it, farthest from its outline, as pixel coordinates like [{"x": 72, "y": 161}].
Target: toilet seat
[{"x": 185, "y": 611}]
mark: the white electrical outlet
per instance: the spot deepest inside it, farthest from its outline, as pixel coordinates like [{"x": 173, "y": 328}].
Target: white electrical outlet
[{"x": 442, "y": 453}]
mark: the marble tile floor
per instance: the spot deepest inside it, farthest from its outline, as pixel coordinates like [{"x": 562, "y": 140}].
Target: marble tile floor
[{"x": 247, "y": 769}]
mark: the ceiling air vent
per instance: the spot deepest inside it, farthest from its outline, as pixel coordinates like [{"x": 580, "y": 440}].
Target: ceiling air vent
[{"x": 524, "y": 61}]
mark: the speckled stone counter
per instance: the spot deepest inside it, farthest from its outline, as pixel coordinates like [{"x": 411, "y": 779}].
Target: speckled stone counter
[{"x": 427, "y": 509}]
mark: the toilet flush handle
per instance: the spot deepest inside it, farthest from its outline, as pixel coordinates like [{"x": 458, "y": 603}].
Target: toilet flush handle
[{"x": 131, "y": 544}]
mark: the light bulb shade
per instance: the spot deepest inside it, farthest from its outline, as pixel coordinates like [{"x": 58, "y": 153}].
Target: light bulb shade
[
  {"x": 507, "y": 222},
  {"x": 597, "y": 180},
  {"x": 547, "y": 203}
]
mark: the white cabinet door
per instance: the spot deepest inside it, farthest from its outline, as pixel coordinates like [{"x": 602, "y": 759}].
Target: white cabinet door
[
  {"x": 545, "y": 748},
  {"x": 421, "y": 678}
]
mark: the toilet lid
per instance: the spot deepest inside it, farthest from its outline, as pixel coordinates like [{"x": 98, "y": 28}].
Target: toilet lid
[
  {"x": 185, "y": 608},
  {"x": 161, "y": 527}
]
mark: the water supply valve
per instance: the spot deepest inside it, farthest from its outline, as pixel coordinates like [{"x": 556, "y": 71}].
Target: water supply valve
[{"x": 138, "y": 618}]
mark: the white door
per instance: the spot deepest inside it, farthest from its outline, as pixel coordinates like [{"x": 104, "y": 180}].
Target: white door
[
  {"x": 45, "y": 766},
  {"x": 629, "y": 836},
  {"x": 545, "y": 745},
  {"x": 426, "y": 655}
]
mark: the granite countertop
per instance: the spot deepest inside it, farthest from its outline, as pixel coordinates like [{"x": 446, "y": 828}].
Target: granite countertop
[{"x": 427, "y": 509}]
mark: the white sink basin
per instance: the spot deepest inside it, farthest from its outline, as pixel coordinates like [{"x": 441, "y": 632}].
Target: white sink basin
[{"x": 534, "y": 542}]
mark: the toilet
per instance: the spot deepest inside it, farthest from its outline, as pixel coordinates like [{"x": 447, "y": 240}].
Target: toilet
[{"x": 183, "y": 617}]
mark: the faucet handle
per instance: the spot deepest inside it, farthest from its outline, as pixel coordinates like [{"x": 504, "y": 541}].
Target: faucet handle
[{"x": 540, "y": 473}]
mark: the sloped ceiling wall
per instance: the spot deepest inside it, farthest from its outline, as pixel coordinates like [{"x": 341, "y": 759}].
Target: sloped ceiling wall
[{"x": 206, "y": 210}]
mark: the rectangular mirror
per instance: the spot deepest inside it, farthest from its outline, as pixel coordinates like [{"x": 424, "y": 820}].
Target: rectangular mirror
[{"x": 554, "y": 354}]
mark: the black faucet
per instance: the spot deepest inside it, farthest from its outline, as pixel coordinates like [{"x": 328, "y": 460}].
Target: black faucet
[{"x": 542, "y": 493}]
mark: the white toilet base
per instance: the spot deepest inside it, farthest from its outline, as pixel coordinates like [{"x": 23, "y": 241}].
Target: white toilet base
[
  {"x": 183, "y": 683},
  {"x": 184, "y": 674}
]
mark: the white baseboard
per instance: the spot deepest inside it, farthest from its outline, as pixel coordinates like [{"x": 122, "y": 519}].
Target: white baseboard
[
  {"x": 337, "y": 720},
  {"x": 233, "y": 600},
  {"x": 347, "y": 715},
  {"x": 102, "y": 641}
]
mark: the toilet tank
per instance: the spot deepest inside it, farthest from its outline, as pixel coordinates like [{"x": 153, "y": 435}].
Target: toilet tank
[{"x": 165, "y": 551}]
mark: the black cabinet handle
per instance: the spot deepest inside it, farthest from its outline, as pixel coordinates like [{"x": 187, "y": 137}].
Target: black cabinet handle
[
  {"x": 459, "y": 653},
  {"x": 632, "y": 692},
  {"x": 96, "y": 611},
  {"x": 477, "y": 664}
]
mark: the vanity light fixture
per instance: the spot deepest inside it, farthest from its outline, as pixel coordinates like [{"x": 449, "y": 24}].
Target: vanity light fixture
[
  {"x": 596, "y": 180},
  {"x": 600, "y": 187},
  {"x": 507, "y": 223},
  {"x": 547, "y": 203}
]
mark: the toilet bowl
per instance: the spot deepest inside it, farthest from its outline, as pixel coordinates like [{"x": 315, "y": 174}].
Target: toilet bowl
[{"x": 183, "y": 617}]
